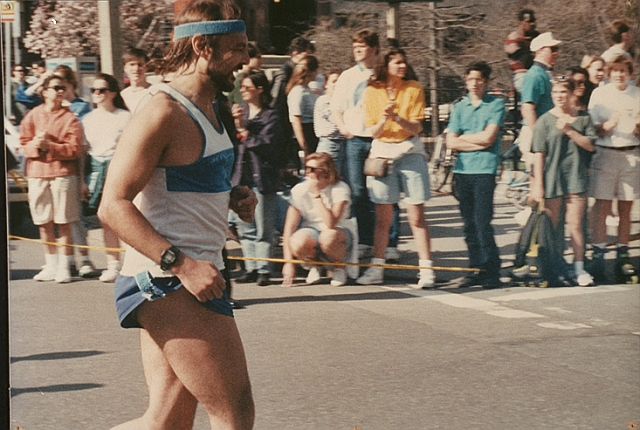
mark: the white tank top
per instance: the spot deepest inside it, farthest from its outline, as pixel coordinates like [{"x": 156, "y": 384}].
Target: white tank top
[{"x": 188, "y": 205}]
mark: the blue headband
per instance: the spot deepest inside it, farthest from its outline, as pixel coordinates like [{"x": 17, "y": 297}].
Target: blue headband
[{"x": 208, "y": 28}]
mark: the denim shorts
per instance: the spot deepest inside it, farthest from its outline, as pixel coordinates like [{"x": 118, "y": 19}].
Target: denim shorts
[
  {"x": 315, "y": 234},
  {"x": 133, "y": 291},
  {"x": 408, "y": 175}
]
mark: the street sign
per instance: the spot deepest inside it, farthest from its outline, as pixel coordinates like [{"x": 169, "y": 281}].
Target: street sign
[{"x": 8, "y": 9}]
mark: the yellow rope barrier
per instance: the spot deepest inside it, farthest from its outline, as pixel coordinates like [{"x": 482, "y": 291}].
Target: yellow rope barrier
[{"x": 273, "y": 260}]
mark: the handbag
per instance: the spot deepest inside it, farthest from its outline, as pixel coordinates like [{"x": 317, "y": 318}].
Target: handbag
[{"x": 377, "y": 167}]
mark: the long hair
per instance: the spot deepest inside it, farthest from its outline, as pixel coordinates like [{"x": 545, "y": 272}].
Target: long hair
[
  {"x": 114, "y": 87},
  {"x": 180, "y": 53},
  {"x": 259, "y": 79},
  {"x": 303, "y": 72},
  {"x": 381, "y": 73},
  {"x": 325, "y": 160}
]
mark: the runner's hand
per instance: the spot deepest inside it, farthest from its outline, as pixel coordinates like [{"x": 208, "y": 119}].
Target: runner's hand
[
  {"x": 200, "y": 278},
  {"x": 288, "y": 274}
]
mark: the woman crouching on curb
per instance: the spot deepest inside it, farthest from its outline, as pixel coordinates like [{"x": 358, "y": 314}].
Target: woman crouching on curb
[{"x": 314, "y": 227}]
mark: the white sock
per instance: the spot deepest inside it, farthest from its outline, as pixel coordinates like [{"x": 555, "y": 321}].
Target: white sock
[
  {"x": 578, "y": 266},
  {"x": 51, "y": 260},
  {"x": 377, "y": 261},
  {"x": 425, "y": 263},
  {"x": 71, "y": 259}
]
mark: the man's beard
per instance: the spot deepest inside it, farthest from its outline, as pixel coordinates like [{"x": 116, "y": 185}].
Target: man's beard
[{"x": 220, "y": 80}]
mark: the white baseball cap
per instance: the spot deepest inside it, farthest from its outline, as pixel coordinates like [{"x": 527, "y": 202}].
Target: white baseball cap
[{"x": 542, "y": 41}]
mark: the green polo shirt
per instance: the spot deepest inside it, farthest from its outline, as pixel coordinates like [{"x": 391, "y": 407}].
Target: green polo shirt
[
  {"x": 469, "y": 119},
  {"x": 537, "y": 88}
]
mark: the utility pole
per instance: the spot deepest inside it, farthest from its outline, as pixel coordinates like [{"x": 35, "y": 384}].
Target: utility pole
[
  {"x": 110, "y": 38},
  {"x": 433, "y": 72},
  {"x": 393, "y": 21}
]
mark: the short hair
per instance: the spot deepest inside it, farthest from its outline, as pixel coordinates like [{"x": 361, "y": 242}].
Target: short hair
[
  {"x": 479, "y": 66},
  {"x": 66, "y": 73},
  {"x": 527, "y": 15},
  {"x": 621, "y": 59},
  {"x": 366, "y": 36},
  {"x": 326, "y": 161},
  {"x": 38, "y": 63},
  {"x": 181, "y": 51},
  {"x": 253, "y": 50},
  {"x": 133, "y": 54},
  {"x": 618, "y": 27},
  {"x": 301, "y": 44}
]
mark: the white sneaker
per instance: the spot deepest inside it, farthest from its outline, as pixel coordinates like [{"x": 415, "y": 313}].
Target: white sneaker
[
  {"x": 426, "y": 279},
  {"x": 86, "y": 269},
  {"x": 313, "y": 277},
  {"x": 48, "y": 273},
  {"x": 338, "y": 277},
  {"x": 364, "y": 251},
  {"x": 371, "y": 276},
  {"x": 112, "y": 272},
  {"x": 63, "y": 274},
  {"x": 392, "y": 253},
  {"x": 584, "y": 279}
]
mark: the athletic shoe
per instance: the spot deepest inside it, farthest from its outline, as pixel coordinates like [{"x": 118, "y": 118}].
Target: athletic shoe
[
  {"x": 313, "y": 277},
  {"x": 63, "y": 275},
  {"x": 392, "y": 254},
  {"x": 338, "y": 277},
  {"x": 263, "y": 279},
  {"x": 47, "y": 273},
  {"x": 584, "y": 279},
  {"x": 87, "y": 269},
  {"x": 371, "y": 276},
  {"x": 426, "y": 279}
]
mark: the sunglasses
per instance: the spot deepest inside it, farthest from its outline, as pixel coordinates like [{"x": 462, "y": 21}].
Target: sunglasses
[
  {"x": 18, "y": 70},
  {"x": 554, "y": 48},
  {"x": 99, "y": 90},
  {"x": 57, "y": 88},
  {"x": 320, "y": 170}
]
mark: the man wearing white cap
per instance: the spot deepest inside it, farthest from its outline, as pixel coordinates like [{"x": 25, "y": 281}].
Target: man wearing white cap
[{"x": 536, "y": 91}]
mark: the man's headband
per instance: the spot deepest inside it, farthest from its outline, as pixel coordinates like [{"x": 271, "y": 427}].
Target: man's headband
[{"x": 208, "y": 28}]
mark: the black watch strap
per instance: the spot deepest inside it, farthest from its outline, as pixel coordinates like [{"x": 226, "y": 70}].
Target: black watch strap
[{"x": 170, "y": 257}]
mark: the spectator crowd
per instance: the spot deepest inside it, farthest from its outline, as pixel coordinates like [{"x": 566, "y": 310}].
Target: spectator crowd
[{"x": 345, "y": 146}]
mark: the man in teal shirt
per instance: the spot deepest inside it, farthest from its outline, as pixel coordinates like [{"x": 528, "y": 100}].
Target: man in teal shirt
[
  {"x": 536, "y": 90},
  {"x": 474, "y": 131}
]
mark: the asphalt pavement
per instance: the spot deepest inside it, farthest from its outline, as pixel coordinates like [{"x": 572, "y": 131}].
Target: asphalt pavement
[{"x": 368, "y": 357}]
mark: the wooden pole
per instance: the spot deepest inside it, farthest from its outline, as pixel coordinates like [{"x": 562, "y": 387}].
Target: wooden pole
[{"x": 110, "y": 38}]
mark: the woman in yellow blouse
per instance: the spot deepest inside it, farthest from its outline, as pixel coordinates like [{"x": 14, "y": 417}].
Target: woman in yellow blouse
[{"x": 394, "y": 111}]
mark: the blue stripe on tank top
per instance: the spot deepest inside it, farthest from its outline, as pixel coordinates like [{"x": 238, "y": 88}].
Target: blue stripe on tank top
[{"x": 211, "y": 174}]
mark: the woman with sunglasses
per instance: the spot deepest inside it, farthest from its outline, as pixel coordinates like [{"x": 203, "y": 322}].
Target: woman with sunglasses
[
  {"x": 102, "y": 128},
  {"x": 596, "y": 68},
  {"x": 394, "y": 111},
  {"x": 563, "y": 140},
  {"x": 52, "y": 139},
  {"x": 258, "y": 132},
  {"x": 315, "y": 228}
]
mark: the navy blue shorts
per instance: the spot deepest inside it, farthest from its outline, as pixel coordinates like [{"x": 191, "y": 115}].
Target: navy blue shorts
[{"x": 131, "y": 292}]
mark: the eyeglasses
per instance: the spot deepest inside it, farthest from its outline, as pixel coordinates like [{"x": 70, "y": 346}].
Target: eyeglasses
[
  {"x": 312, "y": 169},
  {"x": 18, "y": 70},
  {"x": 99, "y": 90},
  {"x": 579, "y": 83},
  {"x": 57, "y": 88}
]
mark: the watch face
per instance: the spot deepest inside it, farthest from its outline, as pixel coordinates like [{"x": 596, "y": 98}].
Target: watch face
[{"x": 168, "y": 258}]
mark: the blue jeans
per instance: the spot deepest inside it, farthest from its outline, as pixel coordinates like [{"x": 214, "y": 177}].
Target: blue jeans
[
  {"x": 357, "y": 150},
  {"x": 335, "y": 148},
  {"x": 257, "y": 238},
  {"x": 475, "y": 194}
]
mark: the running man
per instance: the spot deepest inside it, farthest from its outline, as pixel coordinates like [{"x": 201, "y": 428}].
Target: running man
[{"x": 167, "y": 195}]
